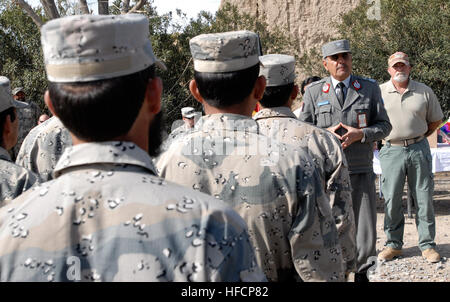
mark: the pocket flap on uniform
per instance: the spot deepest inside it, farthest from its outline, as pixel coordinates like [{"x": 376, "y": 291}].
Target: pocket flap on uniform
[
  {"x": 363, "y": 106},
  {"x": 325, "y": 109}
]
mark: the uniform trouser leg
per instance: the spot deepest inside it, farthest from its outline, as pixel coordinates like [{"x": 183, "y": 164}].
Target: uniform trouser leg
[
  {"x": 364, "y": 208},
  {"x": 414, "y": 162},
  {"x": 393, "y": 166},
  {"x": 421, "y": 185}
]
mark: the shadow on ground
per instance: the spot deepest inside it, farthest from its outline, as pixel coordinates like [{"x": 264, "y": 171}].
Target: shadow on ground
[{"x": 442, "y": 249}]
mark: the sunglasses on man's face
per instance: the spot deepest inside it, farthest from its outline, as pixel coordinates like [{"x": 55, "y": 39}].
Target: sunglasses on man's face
[{"x": 344, "y": 55}]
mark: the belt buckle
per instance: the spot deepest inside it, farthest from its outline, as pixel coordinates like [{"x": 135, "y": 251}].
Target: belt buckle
[{"x": 408, "y": 142}]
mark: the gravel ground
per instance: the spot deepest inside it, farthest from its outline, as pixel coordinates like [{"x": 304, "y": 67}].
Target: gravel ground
[{"x": 411, "y": 267}]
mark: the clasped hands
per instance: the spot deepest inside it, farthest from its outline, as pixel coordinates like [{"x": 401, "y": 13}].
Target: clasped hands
[{"x": 352, "y": 135}]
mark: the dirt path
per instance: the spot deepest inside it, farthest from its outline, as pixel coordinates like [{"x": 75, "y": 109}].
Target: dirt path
[{"x": 410, "y": 267}]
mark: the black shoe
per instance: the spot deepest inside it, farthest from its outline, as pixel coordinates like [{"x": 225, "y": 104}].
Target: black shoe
[{"x": 361, "y": 277}]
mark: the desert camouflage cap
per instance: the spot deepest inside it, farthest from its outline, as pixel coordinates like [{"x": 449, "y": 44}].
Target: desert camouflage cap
[
  {"x": 17, "y": 90},
  {"x": 188, "y": 112},
  {"x": 398, "y": 57},
  {"x": 225, "y": 52},
  {"x": 85, "y": 48},
  {"x": 335, "y": 47},
  {"x": 277, "y": 69},
  {"x": 6, "y": 99}
]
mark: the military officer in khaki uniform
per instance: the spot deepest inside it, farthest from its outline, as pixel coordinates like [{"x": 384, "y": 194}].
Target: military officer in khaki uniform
[
  {"x": 415, "y": 113},
  {"x": 28, "y": 118},
  {"x": 352, "y": 109},
  {"x": 277, "y": 121},
  {"x": 273, "y": 186},
  {"x": 14, "y": 180},
  {"x": 43, "y": 147},
  {"x": 106, "y": 215}
]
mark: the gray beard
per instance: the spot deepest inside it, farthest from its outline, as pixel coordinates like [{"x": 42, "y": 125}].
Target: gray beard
[{"x": 401, "y": 77}]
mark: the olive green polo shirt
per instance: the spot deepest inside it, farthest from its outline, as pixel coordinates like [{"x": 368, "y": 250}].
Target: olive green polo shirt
[{"x": 410, "y": 112}]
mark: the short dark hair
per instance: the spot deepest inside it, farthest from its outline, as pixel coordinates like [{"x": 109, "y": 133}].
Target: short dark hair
[
  {"x": 100, "y": 110},
  {"x": 276, "y": 96},
  {"x": 308, "y": 81},
  {"x": 12, "y": 115},
  {"x": 224, "y": 89}
]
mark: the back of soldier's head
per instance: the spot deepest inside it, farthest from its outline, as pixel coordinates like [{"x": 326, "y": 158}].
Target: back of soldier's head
[
  {"x": 226, "y": 66},
  {"x": 308, "y": 81},
  {"x": 98, "y": 67},
  {"x": 279, "y": 71}
]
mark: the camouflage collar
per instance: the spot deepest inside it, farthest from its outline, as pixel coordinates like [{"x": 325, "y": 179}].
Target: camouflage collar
[
  {"x": 228, "y": 122},
  {"x": 113, "y": 152},
  {"x": 274, "y": 112},
  {"x": 4, "y": 154}
]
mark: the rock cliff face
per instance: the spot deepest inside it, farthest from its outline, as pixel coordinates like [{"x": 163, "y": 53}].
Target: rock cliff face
[{"x": 309, "y": 21}]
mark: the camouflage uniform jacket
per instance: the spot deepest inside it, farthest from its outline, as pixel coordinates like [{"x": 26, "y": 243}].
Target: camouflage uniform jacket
[
  {"x": 277, "y": 191},
  {"x": 177, "y": 133},
  {"x": 14, "y": 180},
  {"x": 281, "y": 124},
  {"x": 43, "y": 146},
  {"x": 106, "y": 216},
  {"x": 28, "y": 119}
]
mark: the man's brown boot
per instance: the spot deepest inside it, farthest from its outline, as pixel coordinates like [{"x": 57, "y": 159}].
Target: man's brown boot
[
  {"x": 389, "y": 253},
  {"x": 431, "y": 255}
]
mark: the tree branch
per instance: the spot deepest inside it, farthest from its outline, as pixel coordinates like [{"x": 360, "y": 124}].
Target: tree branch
[
  {"x": 103, "y": 7},
  {"x": 126, "y": 6},
  {"x": 84, "y": 7},
  {"x": 138, "y": 6},
  {"x": 50, "y": 9},
  {"x": 30, "y": 12}
]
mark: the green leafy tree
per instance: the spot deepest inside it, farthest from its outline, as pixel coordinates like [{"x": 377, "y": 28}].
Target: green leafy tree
[
  {"x": 419, "y": 28},
  {"x": 22, "y": 57},
  {"x": 171, "y": 44},
  {"x": 20, "y": 54}
]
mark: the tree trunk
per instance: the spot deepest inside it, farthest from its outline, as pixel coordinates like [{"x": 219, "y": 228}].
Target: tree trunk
[
  {"x": 84, "y": 7},
  {"x": 103, "y": 8},
  {"x": 125, "y": 6},
  {"x": 50, "y": 9},
  {"x": 138, "y": 6},
  {"x": 29, "y": 10}
]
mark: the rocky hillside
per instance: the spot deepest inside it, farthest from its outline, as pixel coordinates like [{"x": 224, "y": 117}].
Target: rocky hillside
[{"x": 310, "y": 21}]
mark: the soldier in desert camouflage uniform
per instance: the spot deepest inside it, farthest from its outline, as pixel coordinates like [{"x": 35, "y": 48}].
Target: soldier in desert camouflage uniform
[
  {"x": 106, "y": 215},
  {"x": 277, "y": 121},
  {"x": 28, "y": 118},
  {"x": 272, "y": 186},
  {"x": 181, "y": 127},
  {"x": 43, "y": 147},
  {"x": 13, "y": 179}
]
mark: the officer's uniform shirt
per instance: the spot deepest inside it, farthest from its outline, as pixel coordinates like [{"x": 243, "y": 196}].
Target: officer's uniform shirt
[
  {"x": 363, "y": 108},
  {"x": 276, "y": 190},
  {"x": 107, "y": 217},
  {"x": 346, "y": 83}
]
